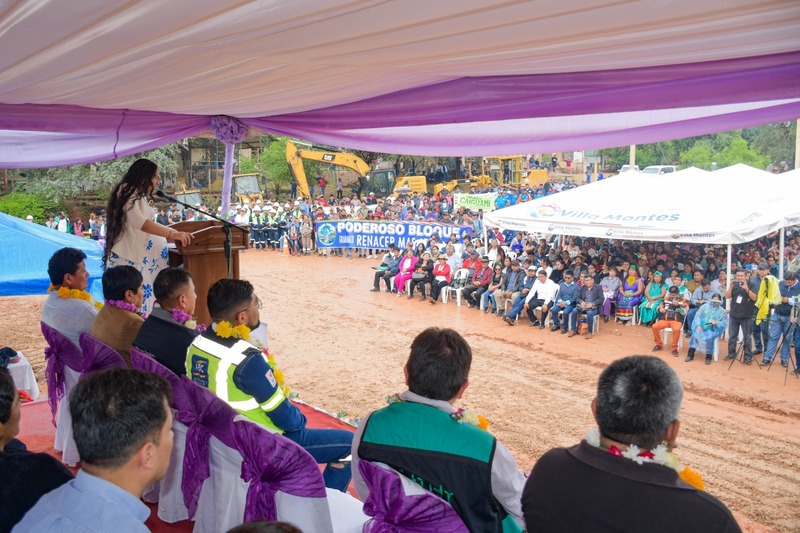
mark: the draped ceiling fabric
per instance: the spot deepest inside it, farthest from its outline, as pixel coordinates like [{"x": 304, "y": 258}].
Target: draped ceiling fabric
[{"x": 97, "y": 79}]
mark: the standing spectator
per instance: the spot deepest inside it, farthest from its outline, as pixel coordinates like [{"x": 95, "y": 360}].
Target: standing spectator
[
  {"x": 741, "y": 316},
  {"x": 51, "y": 222},
  {"x": 339, "y": 188},
  {"x": 77, "y": 228},
  {"x": 781, "y": 321},
  {"x": 62, "y": 223},
  {"x": 133, "y": 237}
]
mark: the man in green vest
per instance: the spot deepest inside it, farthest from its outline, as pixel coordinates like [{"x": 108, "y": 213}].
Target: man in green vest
[
  {"x": 448, "y": 452},
  {"x": 226, "y": 360}
]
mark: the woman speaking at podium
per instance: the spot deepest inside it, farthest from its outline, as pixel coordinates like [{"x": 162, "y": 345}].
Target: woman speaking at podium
[{"x": 132, "y": 235}]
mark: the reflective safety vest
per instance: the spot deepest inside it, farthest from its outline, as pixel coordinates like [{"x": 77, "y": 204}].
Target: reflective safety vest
[{"x": 212, "y": 365}]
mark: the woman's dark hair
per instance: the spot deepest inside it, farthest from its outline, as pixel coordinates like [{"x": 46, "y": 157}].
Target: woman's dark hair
[
  {"x": 119, "y": 279},
  {"x": 135, "y": 183},
  {"x": 8, "y": 392}
]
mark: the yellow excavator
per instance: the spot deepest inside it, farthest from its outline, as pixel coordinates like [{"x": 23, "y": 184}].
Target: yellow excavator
[{"x": 381, "y": 182}]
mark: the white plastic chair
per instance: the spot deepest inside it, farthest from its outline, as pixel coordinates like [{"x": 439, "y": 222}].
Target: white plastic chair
[
  {"x": 511, "y": 255},
  {"x": 665, "y": 334},
  {"x": 461, "y": 275},
  {"x": 546, "y": 319}
]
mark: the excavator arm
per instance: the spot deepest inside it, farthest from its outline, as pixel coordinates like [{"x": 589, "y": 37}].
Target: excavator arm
[{"x": 295, "y": 156}]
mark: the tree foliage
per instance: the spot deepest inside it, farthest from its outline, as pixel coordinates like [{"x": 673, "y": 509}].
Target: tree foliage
[
  {"x": 19, "y": 204},
  {"x": 61, "y": 183},
  {"x": 757, "y": 147}
]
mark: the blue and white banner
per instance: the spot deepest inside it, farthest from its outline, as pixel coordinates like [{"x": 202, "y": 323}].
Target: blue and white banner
[{"x": 378, "y": 235}]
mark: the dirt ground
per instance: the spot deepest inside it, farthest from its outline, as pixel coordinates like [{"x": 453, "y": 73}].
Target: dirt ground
[{"x": 343, "y": 349}]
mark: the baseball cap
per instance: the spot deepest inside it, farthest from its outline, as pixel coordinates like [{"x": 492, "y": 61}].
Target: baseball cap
[
  {"x": 763, "y": 266},
  {"x": 532, "y": 268},
  {"x": 673, "y": 289}
]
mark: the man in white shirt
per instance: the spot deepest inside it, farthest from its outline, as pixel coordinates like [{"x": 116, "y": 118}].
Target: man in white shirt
[
  {"x": 71, "y": 315},
  {"x": 541, "y": 296}
]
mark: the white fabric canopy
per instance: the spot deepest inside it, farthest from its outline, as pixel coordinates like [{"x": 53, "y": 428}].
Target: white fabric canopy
[{"x": 733, "y": 205}]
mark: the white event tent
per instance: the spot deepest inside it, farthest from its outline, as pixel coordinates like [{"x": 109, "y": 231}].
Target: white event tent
[{"x": 730, "y": 206}]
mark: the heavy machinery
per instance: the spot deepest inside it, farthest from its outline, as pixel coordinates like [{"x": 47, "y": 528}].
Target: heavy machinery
[
  {"x": 245, "y": 187},
  {"x": 381, "y": 182}
]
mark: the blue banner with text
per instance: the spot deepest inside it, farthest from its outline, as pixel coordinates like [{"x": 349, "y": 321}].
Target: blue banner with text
[{"x": 378, "y": 235}]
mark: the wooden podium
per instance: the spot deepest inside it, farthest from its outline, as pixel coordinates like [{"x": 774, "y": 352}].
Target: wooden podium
[{"x": 204, "y": 257}]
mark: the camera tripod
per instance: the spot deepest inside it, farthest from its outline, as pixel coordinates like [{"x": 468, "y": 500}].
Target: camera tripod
[
  {"x": 740, "y": 354},
  {"x": 790, "y": 333}
]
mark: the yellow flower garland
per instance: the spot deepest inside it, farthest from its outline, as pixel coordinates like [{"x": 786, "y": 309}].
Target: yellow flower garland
[
  {"x": 225, "y": 330},
  {"x": 66, "y": 293}
]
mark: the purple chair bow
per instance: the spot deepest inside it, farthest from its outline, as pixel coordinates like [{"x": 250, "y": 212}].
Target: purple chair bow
[
  {"x": 393, "y": 511},
  {"x": 98, "y": 355},
  {"x": 60, "y": 352},
  {"x": 273, "y": 463},
  {"x": 144, "y": 361},
  {"x": 208, "y": 416}
]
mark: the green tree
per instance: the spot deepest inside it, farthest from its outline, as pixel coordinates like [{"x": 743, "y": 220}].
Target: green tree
[
  {"x": 738, "y": 152},
  {"x": 21, "y": 205},
  {"x": 60, "y": 183},
  {"x": 776, "y": 141},
  {"x": 700, "y": 155},
  {"x": 274, "y": 166}
]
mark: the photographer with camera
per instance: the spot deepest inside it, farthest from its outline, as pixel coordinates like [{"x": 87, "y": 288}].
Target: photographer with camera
[
  {"x": 783, "y": 318},
  {"x": 671, "y": 314},
  {"x": 742, "y": 300}
]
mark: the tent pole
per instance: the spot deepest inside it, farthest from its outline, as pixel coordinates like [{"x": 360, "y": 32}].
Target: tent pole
[
  {"x": 730, "y": 280},
  {"x": 781, "y": 249}
]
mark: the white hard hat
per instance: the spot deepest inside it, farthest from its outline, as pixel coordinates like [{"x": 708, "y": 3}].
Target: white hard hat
[
  {"x": 280, "y": 210},
  {"x": 256, "y": 208}
]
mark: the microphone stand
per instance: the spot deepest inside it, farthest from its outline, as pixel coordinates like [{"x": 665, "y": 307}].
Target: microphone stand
[{"x": 226, "y": 226}]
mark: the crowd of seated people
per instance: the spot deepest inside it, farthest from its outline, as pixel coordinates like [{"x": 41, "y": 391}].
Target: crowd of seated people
[{"x": 570, "y": 284}]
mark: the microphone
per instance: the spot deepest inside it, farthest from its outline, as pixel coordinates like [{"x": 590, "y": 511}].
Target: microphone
[{"x": 162, "y": 194}]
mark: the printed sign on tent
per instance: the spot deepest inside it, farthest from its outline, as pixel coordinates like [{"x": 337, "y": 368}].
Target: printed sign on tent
[
  {"x": 378, "y": 235},
  {"x": 475, "y": 202}
]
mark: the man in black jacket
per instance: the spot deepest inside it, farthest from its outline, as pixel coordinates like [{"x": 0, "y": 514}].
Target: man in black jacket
[{"x": 170, "y": 329}]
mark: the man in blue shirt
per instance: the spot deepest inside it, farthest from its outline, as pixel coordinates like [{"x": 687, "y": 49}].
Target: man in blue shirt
[
  {"x": 567, "y": 298},
  {"x": 781, "y": 321},
  {"x": 122, "y": 426}
]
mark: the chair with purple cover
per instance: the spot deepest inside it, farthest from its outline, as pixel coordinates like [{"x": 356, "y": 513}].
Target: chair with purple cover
[
  {"x": 213, "y": 490},
  {"x": 398, "y": 504},
  {"x": 249, "y": 472},
  {"x": 98, "y": 355},
  {"x": 168, "y": 492},
  {"x": 64, "y": 364}
]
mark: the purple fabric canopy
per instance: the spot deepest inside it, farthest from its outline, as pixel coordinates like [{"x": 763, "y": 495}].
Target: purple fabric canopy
[{"x": 467, "y": 116}]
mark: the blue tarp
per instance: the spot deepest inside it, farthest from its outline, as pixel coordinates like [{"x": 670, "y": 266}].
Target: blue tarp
[{"x": 26, "y": 249}]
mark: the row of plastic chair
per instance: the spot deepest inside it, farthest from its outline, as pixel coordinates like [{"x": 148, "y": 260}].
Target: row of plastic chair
[{"x": 66, "y": 365}]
